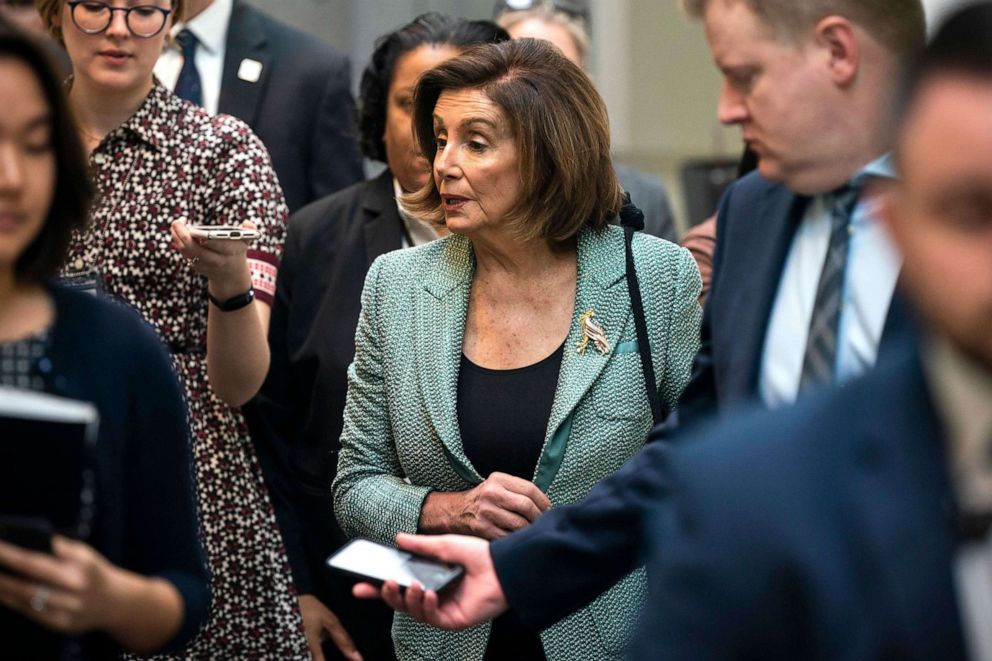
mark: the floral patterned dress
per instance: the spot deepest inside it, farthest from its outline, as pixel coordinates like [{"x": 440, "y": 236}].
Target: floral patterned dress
[{"x": 172, "y": 161}]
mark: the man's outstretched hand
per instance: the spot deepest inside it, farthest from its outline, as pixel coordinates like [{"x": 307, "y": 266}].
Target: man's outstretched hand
[{"x": 476, "y": 597}]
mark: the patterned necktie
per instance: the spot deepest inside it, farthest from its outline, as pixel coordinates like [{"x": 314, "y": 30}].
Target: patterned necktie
[
  {"x": 819, "y": 364},
  {"x": 188, "y": 85}
]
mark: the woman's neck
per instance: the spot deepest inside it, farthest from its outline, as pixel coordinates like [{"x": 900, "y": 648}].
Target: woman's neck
[
  {"x": 99, "y": 112},
  {"x": 520, "y": 259}
]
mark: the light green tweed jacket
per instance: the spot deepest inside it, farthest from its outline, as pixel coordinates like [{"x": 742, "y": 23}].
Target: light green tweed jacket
[{"x": 401, "y": 440}]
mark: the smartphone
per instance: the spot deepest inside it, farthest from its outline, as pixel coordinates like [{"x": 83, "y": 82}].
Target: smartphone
[
  {"x": 377, "y": 563},
  {"x": 222, "y": 232},
  {"x": 30, "y": 533}
]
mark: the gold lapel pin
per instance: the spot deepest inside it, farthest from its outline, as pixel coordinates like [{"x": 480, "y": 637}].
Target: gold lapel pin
[{"x": 590, "y": 330}]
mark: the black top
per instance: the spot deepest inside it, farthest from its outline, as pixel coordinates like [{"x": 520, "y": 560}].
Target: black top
[
  {"x": 145, "y": 515},
  {"x": 503, "y": 414},
  {"x": 503, "y": 418}
]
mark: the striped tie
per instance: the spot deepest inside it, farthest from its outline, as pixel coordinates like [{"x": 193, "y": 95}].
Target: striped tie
[{"x": 819, "y": 365}]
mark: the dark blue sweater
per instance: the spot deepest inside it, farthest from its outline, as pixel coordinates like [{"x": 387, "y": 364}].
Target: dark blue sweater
[{"x": 146, "y": 522}]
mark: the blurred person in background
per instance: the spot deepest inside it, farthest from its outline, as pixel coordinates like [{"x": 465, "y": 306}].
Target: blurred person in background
[
  {"x": 137, "y": 583},
  {"x": 297, "y": 419},
  {"x": 291, "y": 88},
  {"x": 497, "y": 371},
  {"x": 22, "y": 14},
  {"x": 160, "y": 165},
  {"x": 566, "y": 25}
]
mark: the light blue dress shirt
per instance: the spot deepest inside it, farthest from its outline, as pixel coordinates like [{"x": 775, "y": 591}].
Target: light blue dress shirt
[{"x": 873, "y": 266}]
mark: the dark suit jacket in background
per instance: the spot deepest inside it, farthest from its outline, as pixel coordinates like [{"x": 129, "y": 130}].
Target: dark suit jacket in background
[
  {"x": 816, "y": 532},
  {"x": 575, "y": 553},
  {"x": 301, "y": 106},
  {"x": 296, "y": 419},
  {"x": 648, "y": 194}
]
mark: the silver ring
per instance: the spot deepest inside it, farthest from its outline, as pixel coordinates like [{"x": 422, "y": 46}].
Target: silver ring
[
  {"x": 191, "y": 261},
  {"x": 40, "y": 599}
]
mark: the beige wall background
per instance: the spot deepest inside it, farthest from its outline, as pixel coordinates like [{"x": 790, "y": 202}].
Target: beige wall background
[{"x": 650, "y": 63}]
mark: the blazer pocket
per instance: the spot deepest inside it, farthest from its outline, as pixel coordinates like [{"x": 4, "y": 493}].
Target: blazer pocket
[
  {"x": 619, "y": 392},
  {"x": 631, "y": 346}
]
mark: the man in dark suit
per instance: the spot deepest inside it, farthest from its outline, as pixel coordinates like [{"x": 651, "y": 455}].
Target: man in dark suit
[
  {"x": 291, "y": 88},
  {"x": 856, "y": 525},
  {"x": 803, "y": 275}
]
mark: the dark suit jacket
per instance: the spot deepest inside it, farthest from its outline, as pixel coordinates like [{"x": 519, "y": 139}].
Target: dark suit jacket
[
  {"x": 301, "y": 106},
  {"x": 297, "y": 417},
  {"x": 816, "y": 532},
  {"x": 649, "y": 195},
  {"x": 575, "y": 553},
  {"x": 756, "y": 223}
]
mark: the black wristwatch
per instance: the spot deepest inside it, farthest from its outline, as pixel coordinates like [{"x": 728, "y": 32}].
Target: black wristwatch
[{"x": 235, "y": 302}]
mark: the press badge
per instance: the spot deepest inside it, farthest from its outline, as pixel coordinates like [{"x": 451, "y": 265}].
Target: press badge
[{"x": 88, "y": 281}]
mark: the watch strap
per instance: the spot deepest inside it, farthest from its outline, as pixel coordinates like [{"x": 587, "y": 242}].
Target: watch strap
[{"x": 235, "y": 302}]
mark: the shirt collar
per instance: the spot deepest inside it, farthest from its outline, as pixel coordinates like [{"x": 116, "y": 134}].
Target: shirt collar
[
  {"x": 882, "y": 167},
  {"x": 962, "y": 391},
  {"x": 210, "y": 26},
  {"x": 417, "y": 230},
  {"x": 154, "y": 121}
]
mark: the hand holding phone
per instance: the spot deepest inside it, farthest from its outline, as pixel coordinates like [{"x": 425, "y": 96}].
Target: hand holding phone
[
  {"x": 369, "y": 561},
  {"x": 222, "y": 232}
]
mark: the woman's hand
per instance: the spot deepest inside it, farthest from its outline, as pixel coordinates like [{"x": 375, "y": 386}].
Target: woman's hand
[
  {"x": 69, "y": 592},
  {"x": 222, "y": 262},
  {"x": 237, "y": 348},
  {"x": 77, "y": 590},
  {"x": 320, "y": 624},
  {"x": 497, "y": 507}
]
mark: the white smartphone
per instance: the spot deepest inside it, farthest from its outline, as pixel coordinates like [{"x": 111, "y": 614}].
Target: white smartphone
[
  {"x": 377, "y": 563},
  {"x": 222, "y": 232}
]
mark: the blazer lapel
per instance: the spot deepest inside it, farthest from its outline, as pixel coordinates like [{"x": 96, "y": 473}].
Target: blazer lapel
[
  {"x": 439, "y": 328},
  {"x": 600, "y": 287},
  {"x": 761, "y": 253},
  {"x": 246, "y": 39},
  {"x": 383, "y": 232}
]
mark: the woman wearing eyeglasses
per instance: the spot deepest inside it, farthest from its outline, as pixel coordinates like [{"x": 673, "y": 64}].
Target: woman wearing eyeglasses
[{"x": 159, "y": 165}]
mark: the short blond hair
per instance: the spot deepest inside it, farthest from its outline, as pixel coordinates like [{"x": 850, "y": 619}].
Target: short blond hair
[
  {"x": 574, "y": 25},
  {"x": 50, "y": 11},
  {"x": 900, "y": 25}
]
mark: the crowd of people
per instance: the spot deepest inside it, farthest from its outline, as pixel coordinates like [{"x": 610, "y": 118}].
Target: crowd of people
[{"x": 772, "y": 443}]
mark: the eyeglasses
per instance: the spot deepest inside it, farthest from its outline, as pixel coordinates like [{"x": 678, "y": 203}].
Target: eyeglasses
[
  {"x": 574, "y": 8},
  {"x": 94, "y": 17}
]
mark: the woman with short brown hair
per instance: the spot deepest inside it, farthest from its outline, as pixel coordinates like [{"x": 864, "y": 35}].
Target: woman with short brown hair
[{"x": 497, "y": 370}]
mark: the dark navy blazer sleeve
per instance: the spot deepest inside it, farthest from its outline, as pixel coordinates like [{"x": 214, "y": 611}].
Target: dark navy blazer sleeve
[{"x": 571, "y": 554}]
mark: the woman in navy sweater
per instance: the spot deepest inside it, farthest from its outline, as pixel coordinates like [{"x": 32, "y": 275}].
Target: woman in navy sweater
[{"x": 138, "y": 582}]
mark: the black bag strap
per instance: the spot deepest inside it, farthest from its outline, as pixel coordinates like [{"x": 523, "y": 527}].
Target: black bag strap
[{"x": 632, "y": 220}]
